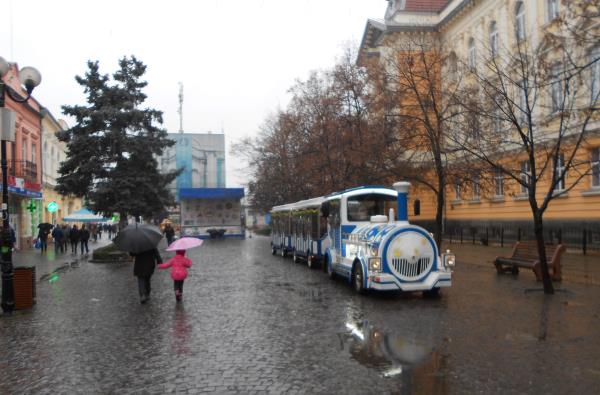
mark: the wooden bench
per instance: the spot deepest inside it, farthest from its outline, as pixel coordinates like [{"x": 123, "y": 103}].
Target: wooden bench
[{"x": 525, "y": 254}]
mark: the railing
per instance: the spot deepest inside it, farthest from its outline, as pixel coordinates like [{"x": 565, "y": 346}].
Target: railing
[
  {"x": 583, "y": 237},
  {"x": 23, "y": 169}
]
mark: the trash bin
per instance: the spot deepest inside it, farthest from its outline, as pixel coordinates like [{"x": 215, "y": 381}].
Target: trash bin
[{"x": 24, "y": 286}]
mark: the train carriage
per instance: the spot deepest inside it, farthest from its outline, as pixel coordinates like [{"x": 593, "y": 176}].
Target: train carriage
[{"x": 354, "y": 234}]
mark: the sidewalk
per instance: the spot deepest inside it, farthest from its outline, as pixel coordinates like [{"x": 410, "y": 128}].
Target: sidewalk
[
  {"x": 576, "y": 268},
  {"x": 45, "y": 263}
]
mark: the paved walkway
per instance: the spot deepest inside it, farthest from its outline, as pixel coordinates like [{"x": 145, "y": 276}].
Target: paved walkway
[
  {"x": 577, "y": 268},
  {"x": 47, "y": 262}
]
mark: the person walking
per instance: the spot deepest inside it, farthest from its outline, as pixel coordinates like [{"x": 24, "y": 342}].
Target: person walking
[
  {"x": 74, "y": 238},
  {"x": 57, "y": 235},
  {"x": 143, "y": 269},
  {"x": 43, "y": 238},
  {"x": 169, "y": 233},
  {"x": 94, "y": 231},
  {"x": 84, "y": 237},
  {"x": 179, "y": 265},
  {"x": 65, "y": 241}
]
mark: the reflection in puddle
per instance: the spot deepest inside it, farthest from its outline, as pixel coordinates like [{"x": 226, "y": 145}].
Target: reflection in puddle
[
  {"x": 414, "y": 362},
  {"x": 180, "y": 332}
]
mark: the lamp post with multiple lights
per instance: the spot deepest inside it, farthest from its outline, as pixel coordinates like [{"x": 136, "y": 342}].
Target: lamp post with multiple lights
[{"x": 29, "y": 78}]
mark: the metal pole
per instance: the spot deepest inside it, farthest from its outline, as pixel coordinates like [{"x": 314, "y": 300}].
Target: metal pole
[{"x": 8, "y": 294}]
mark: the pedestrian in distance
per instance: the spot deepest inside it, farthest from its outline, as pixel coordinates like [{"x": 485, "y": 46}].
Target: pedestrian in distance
[
  {"x": 143, "y": 269},
  {"x": 94, "y": 231},
  {"x": 43, "y": 238},
  {"x": 84, "y": 237},
  {"x": 57, "y": 235},
  {"x": 179, "y": 265},
  {"x": 74, "y": 239},
  {"x": 65, "y": 240},
  {"x": 99, "y": 231},
  {"x": 169, "y": 233}
]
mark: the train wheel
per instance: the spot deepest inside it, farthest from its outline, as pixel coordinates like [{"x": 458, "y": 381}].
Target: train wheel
[
  {"x": 295, "y": 257},
  {"x": 357, "y": 279},
  {"x": 310, "y": 260},
  {"x": 283, "y": 252},
  {"x": 273, "y": 250}
]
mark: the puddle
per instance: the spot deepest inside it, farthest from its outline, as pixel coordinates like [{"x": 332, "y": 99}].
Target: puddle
[{"x": 414, "y": 362}]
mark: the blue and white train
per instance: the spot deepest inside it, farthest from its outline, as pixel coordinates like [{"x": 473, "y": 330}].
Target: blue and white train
[{"x": 353, "y": 234}]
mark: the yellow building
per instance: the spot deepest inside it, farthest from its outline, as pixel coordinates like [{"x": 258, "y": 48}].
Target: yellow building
[
  {"x": 53, "y": 153},
  {"x": 473, "y": 32}
]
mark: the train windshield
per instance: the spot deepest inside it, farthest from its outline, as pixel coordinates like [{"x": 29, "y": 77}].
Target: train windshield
[{"x": 362, "y": 207}]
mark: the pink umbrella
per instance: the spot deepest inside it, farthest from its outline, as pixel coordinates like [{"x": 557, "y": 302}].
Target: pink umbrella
[{"x": 185, "y": 243}]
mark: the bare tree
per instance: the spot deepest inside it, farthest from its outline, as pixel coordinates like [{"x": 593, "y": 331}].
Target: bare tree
[
  {"x": 535, "y": 110},
  {"x": 422, "y": 112}
]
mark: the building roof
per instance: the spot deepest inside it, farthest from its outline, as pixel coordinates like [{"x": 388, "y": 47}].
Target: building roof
[
  {"x": 211, "y": 193},
  {"x": 425, "y": 5}
]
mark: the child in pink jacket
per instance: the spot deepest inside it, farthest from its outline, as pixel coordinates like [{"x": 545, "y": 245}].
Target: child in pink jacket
[{"x": 178, "y": 264}]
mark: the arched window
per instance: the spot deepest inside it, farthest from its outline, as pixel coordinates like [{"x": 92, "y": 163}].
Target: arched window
[
  {"x": 417, "y": 207},
  {"x": 494, "y": 39},
  {"x": 552, "y": 9},
  {"x": 472, "y": 53},
  {"x": 520, "y": 21}
]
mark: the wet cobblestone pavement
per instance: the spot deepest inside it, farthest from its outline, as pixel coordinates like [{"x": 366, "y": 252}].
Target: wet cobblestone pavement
[{"x": 251, "y": 322}]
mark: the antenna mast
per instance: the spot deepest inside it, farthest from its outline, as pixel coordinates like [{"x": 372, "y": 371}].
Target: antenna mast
[{"x": 180, "y": 111}]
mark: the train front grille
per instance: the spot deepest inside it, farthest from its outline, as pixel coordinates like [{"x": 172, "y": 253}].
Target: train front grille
[{"x": 406, "y": 268}]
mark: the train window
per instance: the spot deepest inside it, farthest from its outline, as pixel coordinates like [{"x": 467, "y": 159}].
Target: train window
[
  {"x": 362, "y": 207},
  {"x": 334, "y": 213}
]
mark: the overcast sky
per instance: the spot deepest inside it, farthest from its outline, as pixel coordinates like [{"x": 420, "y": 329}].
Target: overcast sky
[{"x": 236, "y": 58}]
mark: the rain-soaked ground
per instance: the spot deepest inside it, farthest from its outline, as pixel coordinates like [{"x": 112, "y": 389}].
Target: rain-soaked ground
[{"x": 251, "y": 322}]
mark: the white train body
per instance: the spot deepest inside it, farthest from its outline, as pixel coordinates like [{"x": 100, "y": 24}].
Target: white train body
[{"x": 354, "y": 235}]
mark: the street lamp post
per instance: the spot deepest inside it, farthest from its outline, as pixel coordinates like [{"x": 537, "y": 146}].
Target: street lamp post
[{"x": 30, "y": 78}]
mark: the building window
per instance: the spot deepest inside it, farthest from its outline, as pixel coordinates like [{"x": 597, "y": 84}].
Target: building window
[
  {"x": 33, "y": 152},
  {"x": 499, "y": 182},
  {"x": 417, "y": 207},
  {"x": 596, "y": 167},
  {"x": 556, "y": 91},
  {"x": 559, "y": 166},
  {"x": 552, "y": 9},
  {"x": 595, "y": 73},
  {"x": 493, "y": 39},
  {"x": 220, "y": 173},
  {"x": 525, "y": 176},
  {"x": 472, "y": 54},
  {"x": 476, "y": 188},
  {"x": 457, "y": 192},
  {"x": 520, "y": 21},
  {"x": 24, "y": 150}
]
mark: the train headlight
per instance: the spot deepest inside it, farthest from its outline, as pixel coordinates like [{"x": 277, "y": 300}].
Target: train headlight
[
  {"x": 374, "y": 249},
  {"x": 449, "y": 259},
  {"x": 374, "y": 264}
]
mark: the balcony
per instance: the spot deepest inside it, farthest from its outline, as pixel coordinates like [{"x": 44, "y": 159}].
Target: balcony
[{"x": 23, "y": 169}]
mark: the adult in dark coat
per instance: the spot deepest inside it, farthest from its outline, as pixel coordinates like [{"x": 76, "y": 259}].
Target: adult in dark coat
[
  {"x": 169, "y": 233},
  {"x": 84, "y": 236},
  {"x": 58, "y": 235},
  {"x": 143, "y": 268},
  {"x": 74, "y": 239}
]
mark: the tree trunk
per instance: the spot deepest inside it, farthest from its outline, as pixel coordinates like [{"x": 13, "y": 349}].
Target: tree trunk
[
  {"x": 439, "y": 217},
  {"x": 122, "y": 220},
  {"x": 538, "y": 225}
]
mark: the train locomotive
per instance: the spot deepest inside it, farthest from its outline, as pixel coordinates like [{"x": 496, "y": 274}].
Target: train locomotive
[{"x": 354, "y": 234}]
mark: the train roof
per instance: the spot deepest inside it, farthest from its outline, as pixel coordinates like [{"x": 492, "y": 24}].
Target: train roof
[
  {"x": 314, "y": 202},
  {"x": 362, "y": 189}
]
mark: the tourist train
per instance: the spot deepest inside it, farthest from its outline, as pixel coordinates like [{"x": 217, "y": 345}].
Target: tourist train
[{"x": 353, "y": 234}]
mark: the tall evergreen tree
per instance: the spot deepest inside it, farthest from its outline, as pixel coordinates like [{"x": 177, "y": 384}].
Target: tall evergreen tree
[{"x": 111, "y": 149}]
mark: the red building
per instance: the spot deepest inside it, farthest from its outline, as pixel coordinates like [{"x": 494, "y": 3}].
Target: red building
[{"x": 24, "y": 163}]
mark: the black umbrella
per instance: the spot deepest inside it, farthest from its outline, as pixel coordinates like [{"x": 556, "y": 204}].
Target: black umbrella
[
  {"x": 45, "y": 225},
  {"x": 138, "y": 238}
]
